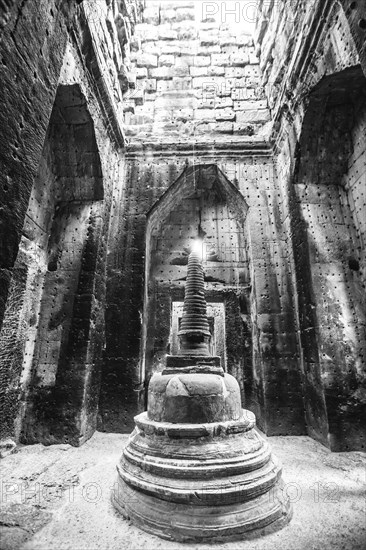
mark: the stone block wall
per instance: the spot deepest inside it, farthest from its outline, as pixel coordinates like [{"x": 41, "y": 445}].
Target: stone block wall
[
  {"x": 261, "y": 331},
  {"x": 102, "y": 127},
  {"x": 354, "y": 184},
  {"x": 61, "y": 147},
  {"x": 33, "y": 39},
  {"x": 197, "y": 76},
  {"x": 316, "y": 97},
  {"x": 201, "y": 198},
  {"x": 355, "y": 13}
]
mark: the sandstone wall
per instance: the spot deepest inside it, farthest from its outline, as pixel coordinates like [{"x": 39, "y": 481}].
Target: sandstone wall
[
  {"x": 63, "y": 74},
  {"x": 356, "y": 16},
  {"x": 98, "y": 126},
  {"x": 315, "y": 87},
  {"x": 292, "y": 299},
  {"x": 33, "y": 40},
  {"x": 261, "y": 334},
  {"x": 197, "y": 76}
]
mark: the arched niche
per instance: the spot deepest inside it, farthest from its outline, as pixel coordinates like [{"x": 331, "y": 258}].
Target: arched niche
[
  {"x": 57, "y": 338},
  {"x": 202, "y": 197},
  {"x": 329, "y": 234}
]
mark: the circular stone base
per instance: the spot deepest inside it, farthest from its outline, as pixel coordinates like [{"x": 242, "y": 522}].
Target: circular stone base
[
  {"x": 200, "y": 482},
  {"x": 187, "y": 523}
]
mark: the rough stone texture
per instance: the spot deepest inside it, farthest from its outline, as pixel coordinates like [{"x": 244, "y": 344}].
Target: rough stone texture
[
  {"x": 194, "y": 398},
  {"x": 181, "y": 485},
  {"x": 291, "y": 278},
  {"x": 60, "y": 147},
  {"x": 192, "y": 63},
  {"x": 244, "y": 248},
  {"x": 319, "y": 126},
  {"x": 27, "y": 104},
  {"x": 72, "y": 486}
]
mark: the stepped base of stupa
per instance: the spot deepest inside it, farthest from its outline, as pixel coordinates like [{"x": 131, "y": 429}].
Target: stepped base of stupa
[
  {"x": 196, "y": 482},
  {"x": 195, "y": 468}
]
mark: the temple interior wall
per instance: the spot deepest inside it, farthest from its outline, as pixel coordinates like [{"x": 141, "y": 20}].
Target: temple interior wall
[
  {"x": 106, "y": 105},
  {"x": 317, "y": 143},
  {"x": 259, "y": 294}
]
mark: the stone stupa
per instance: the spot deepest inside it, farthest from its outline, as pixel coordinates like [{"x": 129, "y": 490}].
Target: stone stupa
[{"x": 195, "y": 468}]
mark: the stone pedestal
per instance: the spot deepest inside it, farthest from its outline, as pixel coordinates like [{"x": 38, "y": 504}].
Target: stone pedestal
[{"x": 195, "y": 467}]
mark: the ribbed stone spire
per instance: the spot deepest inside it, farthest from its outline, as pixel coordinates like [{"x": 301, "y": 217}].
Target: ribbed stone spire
[{"x": 194, "y": 333}]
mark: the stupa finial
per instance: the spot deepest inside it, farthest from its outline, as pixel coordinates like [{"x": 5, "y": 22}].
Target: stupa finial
[{"x": 194, "y": 332}]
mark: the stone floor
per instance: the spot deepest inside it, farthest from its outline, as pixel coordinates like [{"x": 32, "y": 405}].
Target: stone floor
[{"x": 58, "y": 498}]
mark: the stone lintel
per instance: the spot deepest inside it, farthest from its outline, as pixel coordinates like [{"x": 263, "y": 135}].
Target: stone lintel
[{"x": 235, "y": 148}]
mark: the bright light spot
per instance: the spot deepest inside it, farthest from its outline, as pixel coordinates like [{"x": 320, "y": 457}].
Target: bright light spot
[{"x": 197, "y": 247}]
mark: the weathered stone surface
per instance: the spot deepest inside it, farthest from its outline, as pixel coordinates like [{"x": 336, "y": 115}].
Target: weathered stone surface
[
  {"x": 253, "y": 115},
  {"x": 224, "y": 114},
  {"x": 301, "y": 170},
  {"x": 202, "y": 61},
  {"x": 249, "y": 105},
  {"x": 167, "y": 480},
  {"x": 147, "y": 60},
  {"x": 56, "y": 286},
  {"x": 141, "y": 72},
  {"x": 197, "y": 49},
  {"x": 19, "y": 522},
  {"x": 166, "y": 60},
  {"x": 7, "y": 446},
  {"x": 76, "y": 477},
  {"x": 194, "y": 398},
  {"x": 224, "y": 128},
  {"x": 198, "y": 71}
]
